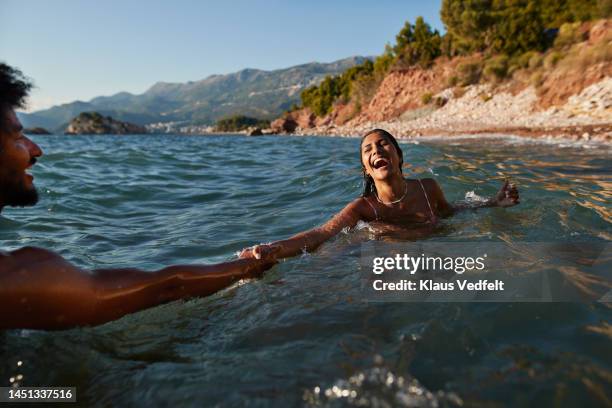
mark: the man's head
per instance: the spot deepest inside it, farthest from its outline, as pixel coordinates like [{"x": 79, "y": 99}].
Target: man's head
[{"x": 17, "y": 152}]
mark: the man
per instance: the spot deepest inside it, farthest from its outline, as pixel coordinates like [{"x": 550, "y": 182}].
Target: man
[{"x": 41, "y": 290}]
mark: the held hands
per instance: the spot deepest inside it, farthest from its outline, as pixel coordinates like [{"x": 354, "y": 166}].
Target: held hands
[
  {"x": 257, "y": 267},
  {"x": 266, "y": 252},
  {"x": 507, "y": 196}
]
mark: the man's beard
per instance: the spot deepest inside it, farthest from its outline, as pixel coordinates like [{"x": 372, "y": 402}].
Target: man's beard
[{"x": 16, "y": 194}]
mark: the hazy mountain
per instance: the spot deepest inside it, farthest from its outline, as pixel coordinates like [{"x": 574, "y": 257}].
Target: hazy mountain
[{"x": 251, "y": 92}]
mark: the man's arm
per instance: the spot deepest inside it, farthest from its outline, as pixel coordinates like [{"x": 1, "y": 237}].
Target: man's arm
[{"x": 41, "y": 290}]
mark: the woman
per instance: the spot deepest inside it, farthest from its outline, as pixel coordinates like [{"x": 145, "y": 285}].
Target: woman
[{"x": 387, "y": 198}]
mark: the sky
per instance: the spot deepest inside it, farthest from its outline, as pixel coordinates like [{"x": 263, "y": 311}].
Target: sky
[{"x": 80, "y": 49}]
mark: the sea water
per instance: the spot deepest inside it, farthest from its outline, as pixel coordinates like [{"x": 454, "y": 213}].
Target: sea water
[{"x": 302, "y": 335}]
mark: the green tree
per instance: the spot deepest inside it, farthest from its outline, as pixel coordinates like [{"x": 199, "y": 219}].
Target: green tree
[
  {"x": 403, "y": 38},
  {"x": 468, "y": 23},
  {"x": 383, "y": 62},
  {"x": 239, "y": 122},
  {"x": 555, "y": 13},
  {"x": 518, "y": 27},
  {"x": 511, "y": 27},
  {"x": 417, "y": 44}
]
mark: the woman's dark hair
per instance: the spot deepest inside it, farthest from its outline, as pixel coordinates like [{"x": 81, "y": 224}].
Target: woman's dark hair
[{"x": 369, "y": 187}]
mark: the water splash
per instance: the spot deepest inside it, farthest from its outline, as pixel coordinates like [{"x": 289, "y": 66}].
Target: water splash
[
  {"x": 473, "y": 198},
  {"x": 380, "y": 387}
]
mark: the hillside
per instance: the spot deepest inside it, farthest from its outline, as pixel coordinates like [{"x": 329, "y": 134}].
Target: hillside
[
  {"x": 559, "y": 87},
  {"x": 250, "y": 92}
]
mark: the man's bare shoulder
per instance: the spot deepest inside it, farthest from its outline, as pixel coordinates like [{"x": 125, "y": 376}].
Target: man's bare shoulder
[{"x": 28, "y": 257}]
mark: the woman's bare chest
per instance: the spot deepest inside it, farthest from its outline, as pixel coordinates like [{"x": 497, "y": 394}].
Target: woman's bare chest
[{"x": 411, "y": 210}]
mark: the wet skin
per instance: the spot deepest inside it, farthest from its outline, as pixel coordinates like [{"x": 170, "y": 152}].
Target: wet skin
[
  {"x": 41, "y": 290},
  {"x": 17, "y": 155},
  {"x": 381, "y": 161}
]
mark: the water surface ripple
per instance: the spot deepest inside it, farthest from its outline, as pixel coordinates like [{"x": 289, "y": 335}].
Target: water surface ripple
[{"x": 291, "y": 337}]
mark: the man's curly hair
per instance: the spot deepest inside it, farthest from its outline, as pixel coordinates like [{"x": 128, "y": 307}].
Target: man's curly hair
[{"x": 14, "y": 89}]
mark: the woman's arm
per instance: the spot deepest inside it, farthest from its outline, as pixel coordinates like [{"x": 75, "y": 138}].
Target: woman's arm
[
  {"x": 507, "y": 196},
  {"x": 41, "y": 290},
  {"x": 311, "y": 239}
]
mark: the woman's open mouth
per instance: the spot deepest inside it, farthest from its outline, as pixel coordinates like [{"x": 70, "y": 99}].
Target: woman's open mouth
[{"x": 380, "y": 163}]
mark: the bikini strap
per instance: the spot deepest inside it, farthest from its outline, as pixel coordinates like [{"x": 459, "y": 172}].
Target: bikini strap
[
  {"x": 433, "y": 216},
  {"x": 373, "y": 208}
]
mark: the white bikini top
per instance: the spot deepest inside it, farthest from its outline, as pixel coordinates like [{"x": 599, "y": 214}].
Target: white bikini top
[{"x": 432, "y": 219}]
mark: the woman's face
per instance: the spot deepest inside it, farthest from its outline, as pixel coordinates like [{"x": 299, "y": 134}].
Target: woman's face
[{"x": 379, "y": 157}]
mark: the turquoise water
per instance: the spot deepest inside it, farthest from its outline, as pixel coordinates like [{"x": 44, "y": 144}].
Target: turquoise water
[{"x": 291, "y": 337}]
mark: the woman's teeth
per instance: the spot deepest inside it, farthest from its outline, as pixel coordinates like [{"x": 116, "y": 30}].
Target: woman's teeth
[{"x": 378, "y": 163}]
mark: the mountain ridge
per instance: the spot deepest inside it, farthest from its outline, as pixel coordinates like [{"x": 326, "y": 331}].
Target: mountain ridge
[{"x": 250, "y": 91}]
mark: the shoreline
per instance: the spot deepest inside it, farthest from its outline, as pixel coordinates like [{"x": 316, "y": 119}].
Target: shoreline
[
  {"x": 580, "y": 134},
  {"x": 477, "y": 109},
  {"x": 598, "y": 133}
]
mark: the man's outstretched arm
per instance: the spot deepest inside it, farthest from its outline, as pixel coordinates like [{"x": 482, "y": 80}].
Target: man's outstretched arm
[{"x": 41, "y": 290}]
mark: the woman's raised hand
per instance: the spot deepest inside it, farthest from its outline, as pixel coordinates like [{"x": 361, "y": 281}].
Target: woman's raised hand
[
  {"x": 267, "y": 252},
  {"x": 507, "y": 196}
]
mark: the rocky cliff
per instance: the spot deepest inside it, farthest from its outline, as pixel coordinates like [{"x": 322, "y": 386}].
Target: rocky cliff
[
  {"x": 93, "y": 123},
  {"x": 556, "y": 93}
]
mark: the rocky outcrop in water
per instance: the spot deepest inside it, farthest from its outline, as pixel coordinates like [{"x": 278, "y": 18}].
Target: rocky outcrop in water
[
  {"x": 36, "y": 131},
  {"x": 93, "y": 123},
  {"x": 254, "y": 131}
]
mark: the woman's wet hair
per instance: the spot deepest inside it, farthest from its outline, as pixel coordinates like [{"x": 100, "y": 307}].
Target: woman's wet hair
[{"x": 369, "y": 187}]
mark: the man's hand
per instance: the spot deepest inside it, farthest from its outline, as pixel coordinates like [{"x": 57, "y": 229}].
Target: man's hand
[
  {"x": 257, "y": 269},
  {"x": 265, "y": 252},
  {"x": 507, "y": 196}
]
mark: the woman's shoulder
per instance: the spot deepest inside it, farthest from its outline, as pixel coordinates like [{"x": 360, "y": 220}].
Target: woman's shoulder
[
  {"x": 427, "y": 181},
  {"x": 430, "y": 185},
  {"x": 366, "y": 206},
  {"x": 362, "y": 201}
]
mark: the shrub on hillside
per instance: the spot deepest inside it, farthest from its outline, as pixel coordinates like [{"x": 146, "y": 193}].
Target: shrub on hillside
[
  {"x": 552, "y": 59},
  {"x": 469, "y": 73},
  {"x": 570, "y": 34},
  {"x": 496, "y": 68},
  {"x": 522, "y": 61},
  {"x": 535, "y": 61}
]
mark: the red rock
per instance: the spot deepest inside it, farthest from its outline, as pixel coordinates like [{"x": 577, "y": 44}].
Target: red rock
[
  {"x": 600, "y": 30},
  {"x": 284, "y": 125}
]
